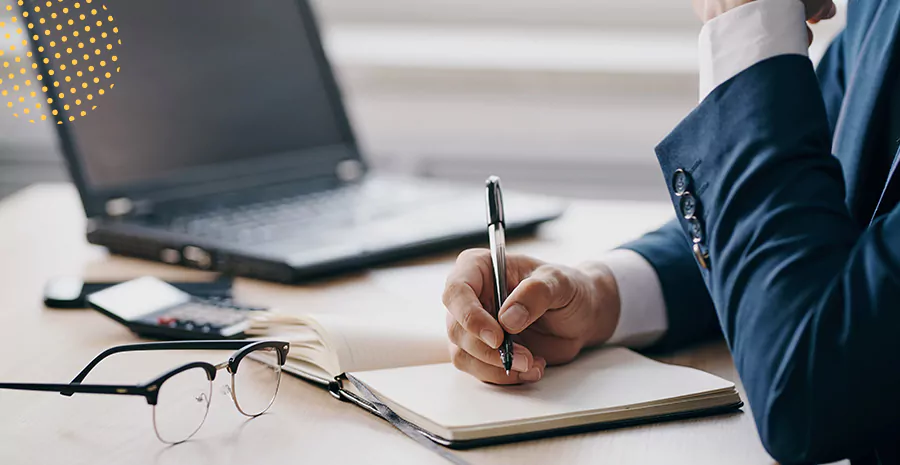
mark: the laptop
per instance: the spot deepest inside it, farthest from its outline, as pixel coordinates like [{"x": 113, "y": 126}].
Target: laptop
[{"x": 225, "y": 146}]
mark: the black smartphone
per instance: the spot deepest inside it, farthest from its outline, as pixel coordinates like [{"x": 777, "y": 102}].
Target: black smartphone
[{"x": 72, "y": 292}]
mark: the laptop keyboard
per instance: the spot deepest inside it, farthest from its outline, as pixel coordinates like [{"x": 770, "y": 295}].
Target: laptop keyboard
[{"x": 283, "y": 217}]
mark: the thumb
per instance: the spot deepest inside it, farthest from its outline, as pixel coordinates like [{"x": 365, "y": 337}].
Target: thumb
[{"x": 549, "y": 287}]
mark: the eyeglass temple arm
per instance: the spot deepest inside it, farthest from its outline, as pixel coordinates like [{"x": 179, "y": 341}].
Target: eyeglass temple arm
[
  {"x": 174, "y": 345},
  {"x": 80, "y": 388}
]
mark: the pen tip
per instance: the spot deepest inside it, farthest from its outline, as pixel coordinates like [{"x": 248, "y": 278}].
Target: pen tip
[{"x": 507, "y": 372}]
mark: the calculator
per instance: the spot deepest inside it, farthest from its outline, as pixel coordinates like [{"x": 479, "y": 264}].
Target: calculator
[{"x": 155, "y": 309}]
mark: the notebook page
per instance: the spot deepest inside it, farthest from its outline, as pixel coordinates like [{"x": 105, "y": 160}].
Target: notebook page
[
  {"x": 335, "y": 344},
  {"x": 608, "y": 379},
  {"x": 385, "y": 340}
]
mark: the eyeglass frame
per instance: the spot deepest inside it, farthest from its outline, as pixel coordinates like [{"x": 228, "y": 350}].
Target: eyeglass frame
[{"x": 150, "y": 390}]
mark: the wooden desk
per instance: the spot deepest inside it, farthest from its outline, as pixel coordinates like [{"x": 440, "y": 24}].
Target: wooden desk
[{"x": 42, "y": 235}]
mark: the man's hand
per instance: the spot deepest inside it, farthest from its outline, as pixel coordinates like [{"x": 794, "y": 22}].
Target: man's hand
[
  {"x": 553, "y": 311},
  {"x": 816, "y": 10}
]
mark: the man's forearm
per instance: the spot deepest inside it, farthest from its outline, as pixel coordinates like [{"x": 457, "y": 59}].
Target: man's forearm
[{"x": 732, "y": 40}]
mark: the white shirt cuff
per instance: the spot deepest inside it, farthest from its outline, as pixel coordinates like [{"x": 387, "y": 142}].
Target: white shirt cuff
[
  {"x": 740, "y": 38},
  {"x": 642, "y": 319}
]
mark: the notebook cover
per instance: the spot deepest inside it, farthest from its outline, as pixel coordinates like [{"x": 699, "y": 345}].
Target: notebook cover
[
  {"x": 337, "y": 391},
  {"x": 569, "y": 430}
]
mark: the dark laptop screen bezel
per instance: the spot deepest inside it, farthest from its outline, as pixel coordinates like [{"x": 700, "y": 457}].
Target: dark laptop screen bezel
[{"x": 319, "y": 162}]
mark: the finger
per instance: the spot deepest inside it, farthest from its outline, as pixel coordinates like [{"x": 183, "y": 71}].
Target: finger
[
  {"x": 809, "y": 35},
  {"x": 467, "y": 363},
  {"x": 519, "y": 267},
  {"x": 828, "y": 11},
  {"x": 464, "y": 284},
  {"x": 536, "y": 373},
  {"x": 698, "y": 8},
  {"x": 522, "y": 357},
  {"x": 555, "y": 350},
  {"x": 549, "y": 287}
]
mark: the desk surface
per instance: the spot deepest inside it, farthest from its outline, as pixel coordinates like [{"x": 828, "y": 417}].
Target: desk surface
[{"x": 42, "y": 235}]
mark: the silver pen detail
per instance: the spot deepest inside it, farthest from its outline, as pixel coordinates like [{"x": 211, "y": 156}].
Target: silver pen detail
[{"x": 496, "y": 219}]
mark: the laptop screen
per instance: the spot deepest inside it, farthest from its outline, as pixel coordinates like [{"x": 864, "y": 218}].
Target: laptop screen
[{"x": 202, "y": 83}]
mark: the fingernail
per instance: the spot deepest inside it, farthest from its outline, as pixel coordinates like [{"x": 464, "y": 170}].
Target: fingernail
[
  {"x": 532, "y": 375},
  {"x": 515, "y": 317},
  {"x": 490, "y": 338},
  {"x": 520, "y": 362}
]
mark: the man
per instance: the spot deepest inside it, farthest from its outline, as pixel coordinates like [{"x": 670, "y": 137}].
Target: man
[{"x": 792, "y": 253}]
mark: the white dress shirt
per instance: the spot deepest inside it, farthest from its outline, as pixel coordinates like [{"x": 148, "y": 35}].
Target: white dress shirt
[{"x": 729, "y": 44}]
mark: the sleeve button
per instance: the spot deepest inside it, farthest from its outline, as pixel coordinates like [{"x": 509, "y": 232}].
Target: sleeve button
[
  {"x": 696, "y": 229},
  {"x": 681, "y": 182},
  {"x": 701, "y": 256},
  {"x": 689, "y": 205}
]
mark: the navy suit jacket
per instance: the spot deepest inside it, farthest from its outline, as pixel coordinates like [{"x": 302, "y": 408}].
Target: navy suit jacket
[{"x": 801, "y": 277}]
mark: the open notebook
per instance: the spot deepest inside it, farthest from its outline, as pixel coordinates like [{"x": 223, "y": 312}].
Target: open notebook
[{"x": 404, "y": 362}]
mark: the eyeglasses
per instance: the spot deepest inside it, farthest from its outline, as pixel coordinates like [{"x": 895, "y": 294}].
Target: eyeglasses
[{"x": 180, "y": 398}]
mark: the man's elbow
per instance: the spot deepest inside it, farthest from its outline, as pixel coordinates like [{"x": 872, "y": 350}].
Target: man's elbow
[
  {"x": 793, "y": 434},
  {"x": 794, "y": 425},
  {"x": 787, "y": 442}
]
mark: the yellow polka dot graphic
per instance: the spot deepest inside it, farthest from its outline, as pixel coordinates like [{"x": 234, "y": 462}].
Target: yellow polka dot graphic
[{"x": 72, "y": 57}]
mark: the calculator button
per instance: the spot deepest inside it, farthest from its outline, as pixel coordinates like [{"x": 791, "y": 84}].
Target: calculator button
[
  {"x": 165, "y": 320},
  {"x": 188, "y": 326}
]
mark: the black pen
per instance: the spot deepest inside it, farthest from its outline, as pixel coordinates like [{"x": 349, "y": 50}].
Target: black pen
[{"x": 497, "y": 236}]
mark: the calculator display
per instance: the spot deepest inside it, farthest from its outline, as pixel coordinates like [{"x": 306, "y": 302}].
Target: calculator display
[
  {"x": 134, "y": 299},
  {"x": 156, "y": 309}
]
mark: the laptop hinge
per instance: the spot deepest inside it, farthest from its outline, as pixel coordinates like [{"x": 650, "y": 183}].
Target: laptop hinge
[{"x": 120, "y": 207}]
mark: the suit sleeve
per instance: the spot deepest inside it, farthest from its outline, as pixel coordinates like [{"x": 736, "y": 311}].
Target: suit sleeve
[
  {"x": 771, "y": 25},
  {"x": 808, "y": 301},
  {"x": 832, "y": 80},
  {"x": 688, "y": 306}
]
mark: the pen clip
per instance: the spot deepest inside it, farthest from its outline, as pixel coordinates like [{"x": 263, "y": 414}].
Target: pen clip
[{"x": 495, "y": 213}]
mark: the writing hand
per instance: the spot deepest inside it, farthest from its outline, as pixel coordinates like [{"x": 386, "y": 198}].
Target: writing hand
[{"x": 553, "y": 312}]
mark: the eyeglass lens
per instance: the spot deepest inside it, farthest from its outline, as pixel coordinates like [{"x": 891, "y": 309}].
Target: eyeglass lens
[
  {"x": 255, "y": 382},
  {"x": 182, "y": 405}
]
